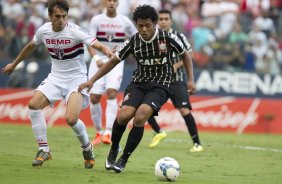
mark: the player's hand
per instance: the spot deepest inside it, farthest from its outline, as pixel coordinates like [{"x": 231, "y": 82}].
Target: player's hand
[
  {"x": 114, "y": 48},
  {"x": 108, "y": 52},
  {"x": 87, "y": 85},
  {"x": 174, "y": 68},
  {"x": 191, "y": 87},
  {"x": 9, "y": 68}
]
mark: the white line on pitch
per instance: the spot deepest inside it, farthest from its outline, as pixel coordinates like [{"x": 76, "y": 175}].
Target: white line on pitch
[{"x": 255, "y": 148}]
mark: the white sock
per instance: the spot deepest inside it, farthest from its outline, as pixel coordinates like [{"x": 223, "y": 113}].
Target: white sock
[
  {"x": 81, "y": 133},
  {"x": 39, "y": 128},
  {"x": 96, "y": 115},
  {"x": 111, "y": 114}
]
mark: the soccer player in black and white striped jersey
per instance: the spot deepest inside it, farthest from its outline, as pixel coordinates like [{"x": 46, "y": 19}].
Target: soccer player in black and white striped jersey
[
  {"x": 178, "y": 90},
  {"x": 153, "y": 50}
]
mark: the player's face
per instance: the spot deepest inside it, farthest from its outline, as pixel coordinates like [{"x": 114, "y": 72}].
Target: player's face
[
  {"x": 146, "y": 28},
  {"x": 164, "y": 21},
  {"x": 58, "y": 19},
  {"x": 111, "y": 5}
]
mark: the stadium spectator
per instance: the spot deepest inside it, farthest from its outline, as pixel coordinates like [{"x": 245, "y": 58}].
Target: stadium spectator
[
  {"x": 259, "y": 48},
  {"x": 237, "y": 35},
  {"x": 202, "y": 38},
  {"x": 111, "y": 29},
  {"x": 152, "y": 49},
  {"x": 64, "y": 42},
  {"x": 249, "y": 58},
  {"x": 264, "y": 23},
  {"x": 273, "y": 58},
  {"x": 227, "y": 18}
]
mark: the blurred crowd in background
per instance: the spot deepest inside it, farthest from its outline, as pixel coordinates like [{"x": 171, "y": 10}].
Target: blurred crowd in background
[{"x": 232, "y": 35}]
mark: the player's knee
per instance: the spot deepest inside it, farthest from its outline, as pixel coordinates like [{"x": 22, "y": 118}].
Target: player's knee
[
  {"x": 112, "y": 93},
  {"x": 33, "y": 106},
  {"x": 140, "y": 119},
  {"x": 71, "y": 119},
  {"x": 123, "y": 119},
  {"x": 95, "y": 99}
]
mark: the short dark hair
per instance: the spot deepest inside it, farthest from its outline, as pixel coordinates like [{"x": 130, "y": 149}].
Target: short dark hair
[
  {"x": 62, "y": 4},
  {"x": 166, "y": 11},
  {"x": 145, "y": 12}
]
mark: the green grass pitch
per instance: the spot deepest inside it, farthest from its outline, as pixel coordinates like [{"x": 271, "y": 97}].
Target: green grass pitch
[{"x": 227, "y": 159}]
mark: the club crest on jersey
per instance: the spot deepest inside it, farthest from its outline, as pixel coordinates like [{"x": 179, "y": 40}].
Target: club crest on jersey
[
  {"x": 59, "y": 52},
  {"x": 110, "y": 36},
  {"x": 162, "y": 46}
]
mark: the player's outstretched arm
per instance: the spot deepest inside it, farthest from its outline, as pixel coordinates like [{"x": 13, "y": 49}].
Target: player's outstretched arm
[
  {"x": 188, "y": 65},
  {"x": 105, "y": 68},
  {"x": 25, "y": 52},
  {"x": 102, "y": 48}
]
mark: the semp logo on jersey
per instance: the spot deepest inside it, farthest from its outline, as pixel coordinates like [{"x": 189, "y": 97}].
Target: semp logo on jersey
[{"x": 58, "y": 42}]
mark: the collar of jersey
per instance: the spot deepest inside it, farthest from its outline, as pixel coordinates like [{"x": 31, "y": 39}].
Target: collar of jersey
[{"x": 156, "y": 32}]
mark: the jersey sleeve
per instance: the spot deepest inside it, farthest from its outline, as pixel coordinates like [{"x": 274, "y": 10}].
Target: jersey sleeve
[
  {"x": 93, "y": 26},
  {"x": 37, "y": 38},
  {"x": 185, "y": 42},
  {"x": 176, "y": 44},
  {"x": 125, "y": 49},
  {"x": 130, "y": 29},
  {"x": 84, "y": 36}
]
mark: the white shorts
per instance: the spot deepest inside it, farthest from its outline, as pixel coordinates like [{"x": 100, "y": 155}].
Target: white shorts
[
  {"x": 58, "y": 90},
  {"x": 112, "y": 79}
]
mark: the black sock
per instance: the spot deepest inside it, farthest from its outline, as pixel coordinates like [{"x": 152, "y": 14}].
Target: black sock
[
  {"x": 192, "y": 128},
  {"x": 134, "y": 138},
  {"x": 117, "y": 134},
  {"x": 153, "y": 123}
]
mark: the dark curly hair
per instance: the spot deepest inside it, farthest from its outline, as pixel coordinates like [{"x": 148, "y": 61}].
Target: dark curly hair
[
  {"x": 145, "y": 12},
  {"x": 62, "y": 4}
]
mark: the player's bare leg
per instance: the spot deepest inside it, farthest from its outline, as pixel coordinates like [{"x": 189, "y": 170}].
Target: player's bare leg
[{"x": 74, "y": 107}]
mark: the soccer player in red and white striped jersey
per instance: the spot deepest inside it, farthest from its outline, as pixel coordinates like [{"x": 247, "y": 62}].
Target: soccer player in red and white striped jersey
[
  {"x": 111, "y": 29},
  {"x": 64, "y": 42}
]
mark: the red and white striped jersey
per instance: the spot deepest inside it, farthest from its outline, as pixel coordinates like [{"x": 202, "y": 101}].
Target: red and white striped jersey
[
  {"x": 66, "y": 49},
  {"x": 111, "y": 31}
]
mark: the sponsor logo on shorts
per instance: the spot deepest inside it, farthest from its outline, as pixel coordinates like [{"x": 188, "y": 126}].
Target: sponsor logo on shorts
[{"x": 126, "y": 97}]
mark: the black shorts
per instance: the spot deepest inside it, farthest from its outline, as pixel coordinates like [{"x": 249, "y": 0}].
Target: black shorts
[
  {"x": 179, "y": 95},
  {"x": 152, "y": 94}
]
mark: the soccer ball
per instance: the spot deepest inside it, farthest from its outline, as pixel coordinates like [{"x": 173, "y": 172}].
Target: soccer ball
[{"x": 167, "y": 169}]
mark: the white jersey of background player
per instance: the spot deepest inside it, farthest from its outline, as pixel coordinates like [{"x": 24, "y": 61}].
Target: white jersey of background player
[
  {"x": 111, "y": 29},
  {"x": 64, "y": 42}
]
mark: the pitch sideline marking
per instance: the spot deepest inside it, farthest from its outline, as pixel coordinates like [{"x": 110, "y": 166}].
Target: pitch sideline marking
[{"x": 255, "y": 148}]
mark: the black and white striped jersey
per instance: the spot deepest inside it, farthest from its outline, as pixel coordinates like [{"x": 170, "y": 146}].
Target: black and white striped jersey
[
  {"x": 180, "y": 75},
  {"x": 153, "y": 57}
]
